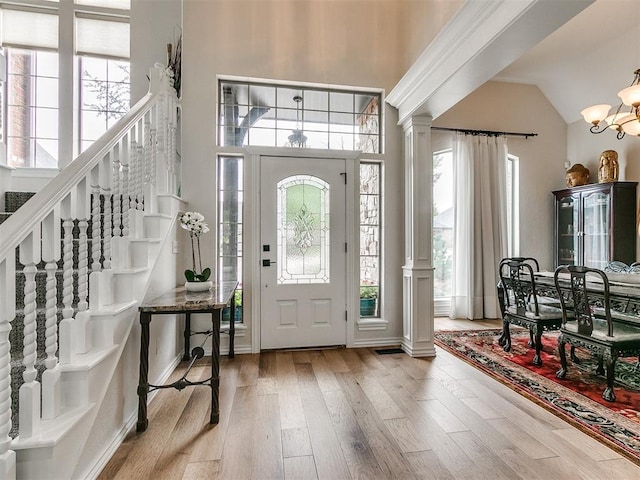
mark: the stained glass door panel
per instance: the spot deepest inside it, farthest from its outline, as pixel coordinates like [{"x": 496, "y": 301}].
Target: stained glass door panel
[{"x": 303, "y": 221}]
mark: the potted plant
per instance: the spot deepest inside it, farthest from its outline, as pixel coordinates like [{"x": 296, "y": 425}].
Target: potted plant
[
  {"x": 368, "y": 300},
  {"x": 197, "y": 277}
]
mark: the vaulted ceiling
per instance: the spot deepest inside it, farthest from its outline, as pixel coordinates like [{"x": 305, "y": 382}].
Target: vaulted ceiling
[{"x": 586, "y": 61}]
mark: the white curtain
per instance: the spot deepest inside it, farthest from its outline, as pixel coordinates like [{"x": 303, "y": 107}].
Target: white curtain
[{"x": 480, "y": 224}]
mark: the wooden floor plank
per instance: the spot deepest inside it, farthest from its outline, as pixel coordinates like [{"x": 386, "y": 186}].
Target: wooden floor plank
[
  {"x": 237, "y": 455},
  {"x": 296, "y": 442},
  {"x": 300, "y": 468},
  {"x": 324, "y": 375},
  {"x": 291, "y": 409},
  {"x": 267, "y": 460},
  {"x": 328, "y": 455}
]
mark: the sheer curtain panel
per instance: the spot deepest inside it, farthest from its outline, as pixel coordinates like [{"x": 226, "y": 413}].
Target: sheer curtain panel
[{"x": 480, "y": 224}]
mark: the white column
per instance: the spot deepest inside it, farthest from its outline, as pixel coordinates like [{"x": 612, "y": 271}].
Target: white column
[{"x": 417, "y": 272}]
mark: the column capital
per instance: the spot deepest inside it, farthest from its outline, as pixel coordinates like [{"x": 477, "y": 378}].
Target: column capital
[{"x": 417, "y": 121}]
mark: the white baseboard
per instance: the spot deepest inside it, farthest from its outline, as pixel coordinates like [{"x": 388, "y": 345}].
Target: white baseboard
[{"x": 378, "y": 342}]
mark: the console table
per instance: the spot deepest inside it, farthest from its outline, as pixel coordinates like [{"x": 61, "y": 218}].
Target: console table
[{"x": 180, "y": 301}]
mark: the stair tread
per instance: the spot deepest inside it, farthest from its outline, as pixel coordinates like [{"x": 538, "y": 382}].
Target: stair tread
[
  {"x": 87, "y": 361},
  {"x": 52, "y": 431}
]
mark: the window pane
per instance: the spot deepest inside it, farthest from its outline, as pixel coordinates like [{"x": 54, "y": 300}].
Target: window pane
[
  {"x": 104, "y": 101},
  {"x": 353, "y": 117},
  {"x": 47, "y": 92},
  {"x": 46, "y": 154},
  {"x": 230, "y": 202},
  {"x": 370, "y": 250},
  {"x": 46, "y": 123},
  {"x": 442, "y": 223}
]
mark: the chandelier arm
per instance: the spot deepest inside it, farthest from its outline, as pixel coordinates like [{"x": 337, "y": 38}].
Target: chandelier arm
[
  {"x": 596, "y": 128},
  {"x": 620, "y": 134}
]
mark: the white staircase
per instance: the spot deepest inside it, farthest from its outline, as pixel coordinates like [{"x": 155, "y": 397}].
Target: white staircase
[{"x": 76, "y": 397}]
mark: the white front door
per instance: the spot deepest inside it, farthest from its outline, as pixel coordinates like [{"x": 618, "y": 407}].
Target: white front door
[{"x": 302, "y": 252}]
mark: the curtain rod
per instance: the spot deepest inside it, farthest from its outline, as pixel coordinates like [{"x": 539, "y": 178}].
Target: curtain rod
[{"x": 485, "y": 132}]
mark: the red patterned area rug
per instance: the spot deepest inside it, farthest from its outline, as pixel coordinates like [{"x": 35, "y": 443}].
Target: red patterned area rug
[{"x": 577, "y": 399}]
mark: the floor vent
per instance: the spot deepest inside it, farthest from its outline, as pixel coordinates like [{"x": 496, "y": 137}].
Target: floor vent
[{"x": 388, "y": 351}]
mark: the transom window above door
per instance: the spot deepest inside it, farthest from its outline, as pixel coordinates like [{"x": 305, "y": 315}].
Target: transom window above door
[{"x": 299, "y": 117}]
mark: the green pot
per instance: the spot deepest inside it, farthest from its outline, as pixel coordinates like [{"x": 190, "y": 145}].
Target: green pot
[{"x": 368, "y": 307}]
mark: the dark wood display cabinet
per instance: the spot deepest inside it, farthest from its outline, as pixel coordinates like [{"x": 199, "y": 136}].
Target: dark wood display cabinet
[{"x": 595, "y": 224}]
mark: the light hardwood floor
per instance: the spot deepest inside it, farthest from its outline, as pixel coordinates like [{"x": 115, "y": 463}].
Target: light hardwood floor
[{"x": 355, "y": 414}]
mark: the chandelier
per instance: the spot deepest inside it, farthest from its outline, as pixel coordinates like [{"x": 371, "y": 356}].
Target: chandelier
[
  {"x": 297, "y": 139},
  {"x": 622, "y": 121}
]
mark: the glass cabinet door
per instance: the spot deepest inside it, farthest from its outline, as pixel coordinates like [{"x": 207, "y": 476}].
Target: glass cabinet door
[
  {"x": 568, "y": 230},
  {"x": 596, "y": 229}
]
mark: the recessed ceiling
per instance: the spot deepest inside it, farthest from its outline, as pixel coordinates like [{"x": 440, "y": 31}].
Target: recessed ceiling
[{"x": 586, "y": 61}]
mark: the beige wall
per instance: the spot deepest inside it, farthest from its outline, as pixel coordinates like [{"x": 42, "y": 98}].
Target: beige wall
[
  {"x": 424, "y": 19},
  {"x": 522, "y": 108}
]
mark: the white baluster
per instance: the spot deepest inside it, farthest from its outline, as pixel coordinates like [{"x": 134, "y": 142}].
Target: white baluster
[
  {"x": 139, "y": 177},
  {"x": 29, "y": 415},
  {"x": 67, "y": 268},
  {"x": 7, "y": 313},
  {"x": 126, "y": 196},
  {"x": 95, "y": 227},
  {"x": 117, "y": 196},
  {"x": 105, "y": 186},
  {"x": 83, "y": 265}
]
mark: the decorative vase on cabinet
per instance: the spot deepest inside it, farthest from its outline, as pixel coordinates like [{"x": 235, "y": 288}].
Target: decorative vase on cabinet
[{"x": 595, "y": 224}]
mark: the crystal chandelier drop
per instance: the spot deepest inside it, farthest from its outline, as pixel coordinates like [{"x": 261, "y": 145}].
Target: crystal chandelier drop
[
  {"x": 623, "y": 120},
  {"x": 297, "y": 139}
]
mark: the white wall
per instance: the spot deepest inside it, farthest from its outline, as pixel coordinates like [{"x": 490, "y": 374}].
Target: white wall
[
  {"x": 153, "y": 24},
  {"x": 522, "y": 108}
]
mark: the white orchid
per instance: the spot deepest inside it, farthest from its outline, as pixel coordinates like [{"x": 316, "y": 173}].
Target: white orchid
[{"x": 194, "y": 223}]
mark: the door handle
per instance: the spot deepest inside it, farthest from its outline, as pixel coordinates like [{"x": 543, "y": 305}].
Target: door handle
[{"x": 267, "y": 263}]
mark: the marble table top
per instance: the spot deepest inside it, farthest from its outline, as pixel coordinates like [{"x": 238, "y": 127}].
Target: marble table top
[{"x": 179, "y": 300}]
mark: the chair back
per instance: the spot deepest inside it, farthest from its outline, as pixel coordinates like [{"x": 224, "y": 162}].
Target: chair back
[
  {"x": 586, "y": 299},
  {"x": 518, "y": 282}
]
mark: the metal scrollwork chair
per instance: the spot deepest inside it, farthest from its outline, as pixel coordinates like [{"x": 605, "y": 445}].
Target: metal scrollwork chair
[
  {"x": 521, "y": 304},
  {"x": 593, "y": 326}
]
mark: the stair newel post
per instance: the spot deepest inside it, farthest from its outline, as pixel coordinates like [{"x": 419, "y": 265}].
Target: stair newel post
[
  {"x": 7, "y": 313},
  {"x": 116, "y": 191},
  {"x": 51, "y": 254},
  {"x": 95, "y": 219},
  {"x": 82, "y": 212},
  {"x": 106, "y": 170},
  {"x": 29, "y": 394}
]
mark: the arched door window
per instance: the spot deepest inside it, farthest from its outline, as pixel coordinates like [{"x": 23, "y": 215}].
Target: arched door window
[{"x": 303, "y": 230}]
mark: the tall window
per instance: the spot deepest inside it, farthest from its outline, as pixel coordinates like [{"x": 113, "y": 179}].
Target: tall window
[
  {"x": 370, "y": 204},
  {"x": 303, "y": 117},
  {"x": 443, "y": 223},
  {"x": 32, "y": 108},
  {"x": 230, "y": 201},
  {"x": 102, "y": 48}
]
